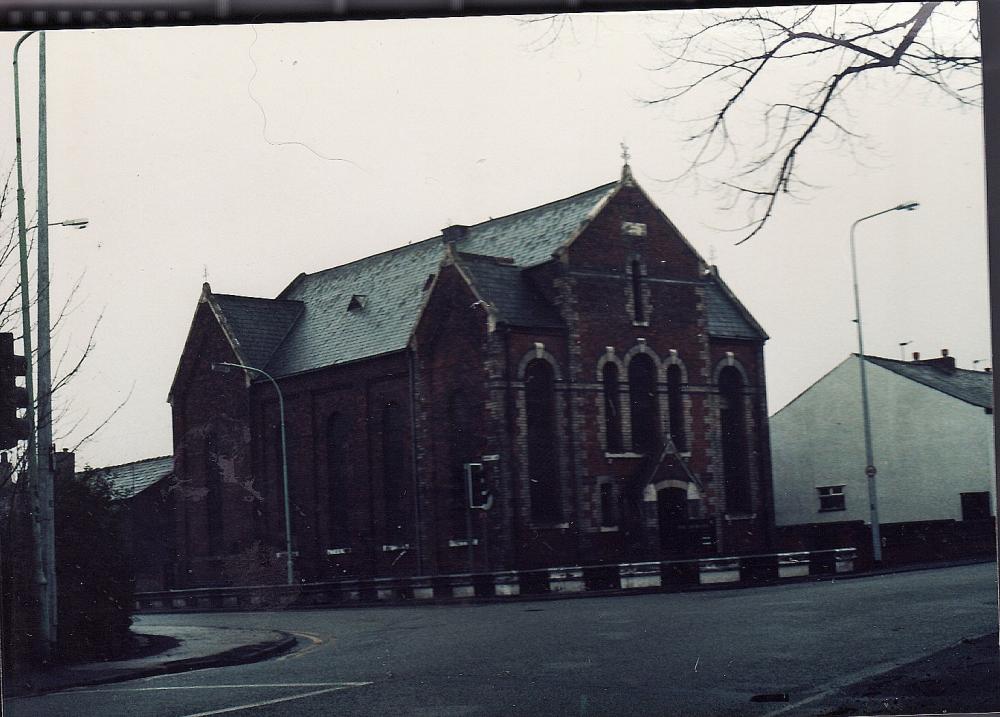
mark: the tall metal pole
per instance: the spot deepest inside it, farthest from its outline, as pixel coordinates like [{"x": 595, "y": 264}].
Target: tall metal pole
[
  {"x": 870, "y": 469},
  {"x": 289, "y": 566},
  {"x": 32, "y": 459},
  {"x": 44, "y": 420}
]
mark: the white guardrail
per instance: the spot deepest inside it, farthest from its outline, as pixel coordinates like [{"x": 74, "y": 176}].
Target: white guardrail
[{"x": 644, "y": 576}]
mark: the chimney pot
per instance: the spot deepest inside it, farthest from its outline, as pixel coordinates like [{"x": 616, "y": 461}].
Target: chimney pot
[
  {"x": 916, "y": 355},
  {"x": 944, "y": 352},
  {"x": 988, "y": 370}
]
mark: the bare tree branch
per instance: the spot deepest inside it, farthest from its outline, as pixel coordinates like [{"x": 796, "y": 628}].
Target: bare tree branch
[{"x": 787, "y": 71}]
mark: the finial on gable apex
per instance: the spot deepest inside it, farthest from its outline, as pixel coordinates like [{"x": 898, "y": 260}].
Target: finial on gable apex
[{"x": 627, "y": 177}]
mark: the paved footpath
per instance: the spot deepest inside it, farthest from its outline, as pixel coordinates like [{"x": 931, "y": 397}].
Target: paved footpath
[{"x": 168, "y": 649}]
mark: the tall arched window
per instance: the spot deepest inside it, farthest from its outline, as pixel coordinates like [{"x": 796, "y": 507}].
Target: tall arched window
[
  {"x": 612, "y": 409},
  {"x": 459, "y": 453},
  {"x": 675, "y": 403},
  {"x": 639, "y": 308},
  {"x": 394, "y": 479},
  {"x": 642, "y": 399},
  {"x": 338, "y": 532},
  {"x": 543, "y": 466},
  {"x": 213, "y": 495},
  {"x": 734, "y": 459}
]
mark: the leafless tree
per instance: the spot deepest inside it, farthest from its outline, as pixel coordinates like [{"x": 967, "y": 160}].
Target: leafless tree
[{"x": 778, "y": 84}]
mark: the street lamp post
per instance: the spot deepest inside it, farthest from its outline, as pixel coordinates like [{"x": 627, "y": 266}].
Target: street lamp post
[
  {"x": 41, "y": 487},
  {"x": 225, "y": 366},
  {"x": 870, "y": 470}
]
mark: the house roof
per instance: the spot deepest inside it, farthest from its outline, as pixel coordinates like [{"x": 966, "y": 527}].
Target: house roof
[
  {"x": 975, "y": 387},
  {"x": 508, "y": 291},
  {"x": 726, "y": 316},
  {"x": 258, "y": 326},
  {"x": 370, "y": 307},
  {"x": 130, "y": 479}
]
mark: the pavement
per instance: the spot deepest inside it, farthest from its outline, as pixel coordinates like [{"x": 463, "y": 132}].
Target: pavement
[{"x": 169, "y": 650}]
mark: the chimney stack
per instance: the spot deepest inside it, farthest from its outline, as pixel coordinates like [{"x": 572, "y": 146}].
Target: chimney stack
[
  {"x": 454, "y": 233},
  {"x": 945, "y": 362}
]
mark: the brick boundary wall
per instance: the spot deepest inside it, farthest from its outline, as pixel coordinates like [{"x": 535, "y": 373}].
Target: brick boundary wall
[{"x": 734, "y": 571}]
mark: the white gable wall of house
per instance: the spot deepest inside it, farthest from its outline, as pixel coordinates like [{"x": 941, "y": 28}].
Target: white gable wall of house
[{"x": 929, "y": 449}]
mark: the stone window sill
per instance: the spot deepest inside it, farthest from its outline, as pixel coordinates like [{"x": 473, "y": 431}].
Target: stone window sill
[
  {"x": 338, "y": 551},
  {"x": 462, "y": 542},
  {"x": 741, "y": 516},
  {"x": 628, "y": 454},
  {"x": 395, "y": 548},
  {"x": 550, "y": 526}
]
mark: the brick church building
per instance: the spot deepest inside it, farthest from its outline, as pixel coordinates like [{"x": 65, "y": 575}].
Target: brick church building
[{"x": 595, "y": 378}]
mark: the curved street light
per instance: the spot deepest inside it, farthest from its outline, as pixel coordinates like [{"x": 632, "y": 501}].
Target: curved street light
[
  {"x": 223, "y": 367},
  {"x": 870, "y": 469}
]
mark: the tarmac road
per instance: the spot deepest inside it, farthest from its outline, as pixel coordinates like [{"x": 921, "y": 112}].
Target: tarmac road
[{"x": 699, "y": 653}]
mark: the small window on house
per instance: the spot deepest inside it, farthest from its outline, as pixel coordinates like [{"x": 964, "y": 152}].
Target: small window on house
[
  {"x": 642, "y": 398},
  {"x": 831, "y": 498},
  {"x": 975, "y": 506},
  {"x": 358, "y": 302},
  {"x": 612, "y": 410},
  {"x": 639, "y": 309},
  {"x": 543, "y": 463},
  {"x": 609, "y": 512},
  {"x": 675, "y": 402}
]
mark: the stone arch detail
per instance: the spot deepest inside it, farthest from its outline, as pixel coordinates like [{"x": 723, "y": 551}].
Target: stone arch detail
[
  {"x": 730, "y": 360},
  {"x": 609, "y": 356},
  {"x": 538, "y": 352},
  {"x": 673, "y": 359}
]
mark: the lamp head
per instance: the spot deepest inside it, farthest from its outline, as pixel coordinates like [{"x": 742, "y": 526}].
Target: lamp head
[
  {"x": 907, "y": 206},
  {"x": 78, "y": 223}
]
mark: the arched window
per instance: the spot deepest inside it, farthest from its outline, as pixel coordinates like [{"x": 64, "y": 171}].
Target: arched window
[
  {"x": 338, "y": 531},
  {"x": 639, "y": 309},
  {"x": 734, "y": 459},
  {"x": 394, "y": 479},
  {"x": 543, "y": 466},
  {"x": 642, "y": 399},
  {"x": 213, "y": 495},
  {"x": 675, "y": 403},
  {"x": 459, "y": 453},
  {"x": 612, "y": 410}
]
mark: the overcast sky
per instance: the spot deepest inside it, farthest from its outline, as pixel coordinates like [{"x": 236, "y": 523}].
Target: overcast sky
[{"x": 215, "y": 151}]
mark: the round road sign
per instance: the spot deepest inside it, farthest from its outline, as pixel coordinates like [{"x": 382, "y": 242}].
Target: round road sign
[{"x": 870, "y": 471}]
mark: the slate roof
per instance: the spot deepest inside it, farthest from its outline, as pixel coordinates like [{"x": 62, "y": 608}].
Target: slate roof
[
  {"x": 327, "y": 333},
  {"x": 369, "y": 307},
  {"x": 725, "y": 320},
  {"x": 510, "y": 293},
  {"x": 258, "y": 325},
  {"x": 975, "y": 387},
  {"x": 530, "y": 237},
  {"x": 130, "y": 479}
]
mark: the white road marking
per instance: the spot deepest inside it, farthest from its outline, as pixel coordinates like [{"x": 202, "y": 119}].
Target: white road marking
[
  {"x": 251, "y": 705},
  {"x": 225, "y": 687}
]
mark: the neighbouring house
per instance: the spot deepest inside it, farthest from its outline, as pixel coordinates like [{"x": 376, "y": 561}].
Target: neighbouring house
[
  {"x": 579, "y": 360},
  {"x": 143, "y": 487},
  {"x": 932, "y": 437}
]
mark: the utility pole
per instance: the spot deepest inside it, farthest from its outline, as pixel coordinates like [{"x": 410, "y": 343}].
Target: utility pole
[
  {"x": 44, "y": 422},
  {"x": 32, "y": 472}
]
